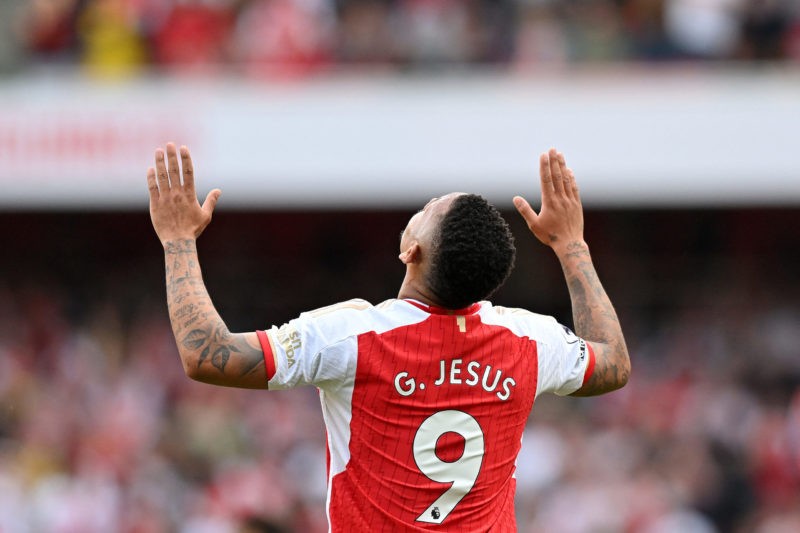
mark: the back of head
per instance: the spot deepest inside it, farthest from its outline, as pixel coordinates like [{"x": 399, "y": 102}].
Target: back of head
[{"x": 472, "y": 253}]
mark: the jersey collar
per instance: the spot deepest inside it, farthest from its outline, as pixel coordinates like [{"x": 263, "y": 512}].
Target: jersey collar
[{"x": 432, "y": 309}]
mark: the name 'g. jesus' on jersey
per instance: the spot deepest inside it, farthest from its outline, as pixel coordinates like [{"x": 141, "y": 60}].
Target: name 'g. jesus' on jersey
[{"x": 424, "y": 407}]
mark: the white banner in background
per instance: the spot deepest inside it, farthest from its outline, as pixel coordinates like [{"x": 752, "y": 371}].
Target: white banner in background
[
  {"x": 80, "y": 148},
  {"x": 634, "y": 137}
]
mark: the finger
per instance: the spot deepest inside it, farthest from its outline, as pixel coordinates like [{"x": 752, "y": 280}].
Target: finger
[
  {"x": 567, "y": 174},
  {"x": 211, "y": 201},
  {"x": 527, "y": 212},
  {"x": 152, "y": 186},
  {"x": 575, "y": 193},
  {"x": 544, "y": 174},
  {"x": 161, "y": 172},
  {"x": 555, "y": 172},
  {"x": 172, "y": 165},
  {"x": 570, "y": 187},
  {"x": 188, "y": 169}
]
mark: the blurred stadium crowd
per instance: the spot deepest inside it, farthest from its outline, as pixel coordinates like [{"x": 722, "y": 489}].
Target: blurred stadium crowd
[
  {"x": 295, "y": 37},
  {"x": 100, "y": 431}
]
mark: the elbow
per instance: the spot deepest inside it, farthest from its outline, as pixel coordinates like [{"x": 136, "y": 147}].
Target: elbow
[
  {"x": 616, "y": 384},
  {"x": 612, "y": 372},
  {"x": 624, "y": 380},
  {"x": 624, "y": 372},
  {"x": 620, "y": 364},
  {"x": 194, "y": 369},
  {"x": 190, "y": 367}
]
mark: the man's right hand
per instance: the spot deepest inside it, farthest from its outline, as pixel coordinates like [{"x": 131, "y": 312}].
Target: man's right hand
[
  {"x": 559, "y": 222},
  {"x": 174, "y": 210}
]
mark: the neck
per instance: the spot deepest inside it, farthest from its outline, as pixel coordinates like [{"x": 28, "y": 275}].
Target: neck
[{"x": 414, "y": 290}]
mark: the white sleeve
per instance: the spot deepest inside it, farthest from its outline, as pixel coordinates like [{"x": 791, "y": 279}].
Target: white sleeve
[
  {"x": 318, "y": 348},
  {"x": 564, "y": 359}
]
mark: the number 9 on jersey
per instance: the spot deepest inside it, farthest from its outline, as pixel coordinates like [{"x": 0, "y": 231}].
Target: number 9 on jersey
[{"x": 462, "y": 473}]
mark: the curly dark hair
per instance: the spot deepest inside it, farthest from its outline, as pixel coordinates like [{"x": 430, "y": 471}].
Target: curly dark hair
[{"x": 472, "y": 253}]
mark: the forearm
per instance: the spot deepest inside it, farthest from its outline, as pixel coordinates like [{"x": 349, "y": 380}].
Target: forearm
[
  {"x": 208, "y": 350},
  {"x": 595, "y": 320}
]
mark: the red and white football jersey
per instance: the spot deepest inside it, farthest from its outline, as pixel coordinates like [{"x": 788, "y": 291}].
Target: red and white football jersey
[{"x": 424, "y": 407}]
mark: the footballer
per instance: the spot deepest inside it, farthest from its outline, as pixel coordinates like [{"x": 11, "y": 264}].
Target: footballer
[{"x": 425, "y": 396}]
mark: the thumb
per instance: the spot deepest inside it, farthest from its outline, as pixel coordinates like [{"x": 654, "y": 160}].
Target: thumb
[
  {"x": 527, "y": 212},
  {"x": 211, "y": 201}
]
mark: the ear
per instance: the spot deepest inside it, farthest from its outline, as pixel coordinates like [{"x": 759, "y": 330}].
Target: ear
[{"x": 411, "y": 254}]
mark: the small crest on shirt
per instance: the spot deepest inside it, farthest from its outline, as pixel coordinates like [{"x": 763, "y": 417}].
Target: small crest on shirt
[
  {"x": 461, "y": 321},
  {"x": 570, "y": 337}
]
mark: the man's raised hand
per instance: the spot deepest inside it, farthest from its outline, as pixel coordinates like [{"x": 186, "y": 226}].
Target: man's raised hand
[
  {"x": 174, "y": 210},
  {"x": 560, "y": 220}
]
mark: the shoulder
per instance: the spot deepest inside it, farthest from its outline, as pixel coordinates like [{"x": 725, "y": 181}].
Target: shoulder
[
  {"x": 520, "y": 321},
  {"x": 357, "y": 316},
  {"x": 338, "y": 309}
]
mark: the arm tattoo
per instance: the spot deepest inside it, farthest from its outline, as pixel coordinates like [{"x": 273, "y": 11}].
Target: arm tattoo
[
  {"x": 596, "y": 321},
  {"x": 202, "y": 336},
  {"x": 195, "y": 339}
]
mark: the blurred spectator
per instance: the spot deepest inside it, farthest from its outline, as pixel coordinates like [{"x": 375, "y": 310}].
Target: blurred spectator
[
  {"x": 434, "y": 31},
  {"x": 595, "y": 32},
  {"x": 643, "y": 22},
  {"x": 541, "y": 36},
  {"x": 11, "y": 35},
  {"x": 284, "y": 36},
  {"x": 367, "y": 32},
  {"x": 705, "y": 29},
  {"x": 765, "y": 25},
  {"x": 112, "y": 42},
  {"x": 195, "y": 34},
  {"x": 49, "y": 28},
  {"x": 792, "y": 42}
]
